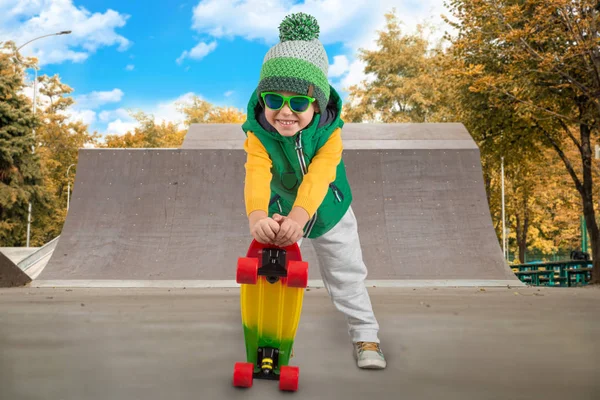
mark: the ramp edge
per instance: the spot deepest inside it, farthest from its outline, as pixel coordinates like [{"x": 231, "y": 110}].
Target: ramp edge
[{"x": 317, "y": 283}]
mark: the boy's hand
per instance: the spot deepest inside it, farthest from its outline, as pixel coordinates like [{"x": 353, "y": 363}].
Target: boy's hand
[
  {"x": 265, "y": 230},
  {"x": 289, "y": 231}
]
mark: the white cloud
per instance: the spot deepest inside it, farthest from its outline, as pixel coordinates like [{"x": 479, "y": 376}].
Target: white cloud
[
  {"x": 167, "y": 110},
  {"x": 121, "y": 113},
  {"x": 120, "y": 122},
  {"x": 341, "y": 21},
  {"x": 229, "y": 93},
  {"x": 119, "y": 127},
  {"x": 41, "y": 101},
  {"x": 23, "y": 20},
  {"x": 96, "y": 99},
  {"x": 88, "y": 117},
  {"x": 130, "y": 67},
  {"x": 355, "y": 24},
  {"x": 73, "y": 113},
  {"x": 355, "y": 75},
  {"x": 200, "y": 51},
  {"x": 340, "y": 66}
]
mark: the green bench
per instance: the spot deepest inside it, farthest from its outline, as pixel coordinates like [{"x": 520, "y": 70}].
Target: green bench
[
  {"x": 586, "y": 272},
  {"x": 553, "y": 273},
  {"x": 535, "y": 275}
]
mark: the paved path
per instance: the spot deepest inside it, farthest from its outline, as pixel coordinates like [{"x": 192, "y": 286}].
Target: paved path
[{"x": 448, "y": 343}]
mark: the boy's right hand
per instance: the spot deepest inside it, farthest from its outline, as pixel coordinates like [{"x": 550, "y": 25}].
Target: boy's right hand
[{"x": 265, "y": 230}]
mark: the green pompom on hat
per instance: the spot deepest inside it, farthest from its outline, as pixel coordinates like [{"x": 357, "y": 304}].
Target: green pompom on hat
[{"x": 297, "y": 62}]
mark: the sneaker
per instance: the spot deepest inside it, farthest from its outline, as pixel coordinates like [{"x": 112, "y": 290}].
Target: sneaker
[{"x": 369, "y": 355}]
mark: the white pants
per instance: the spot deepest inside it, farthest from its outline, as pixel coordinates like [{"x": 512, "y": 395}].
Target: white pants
[{"x": 344, "y": 271}]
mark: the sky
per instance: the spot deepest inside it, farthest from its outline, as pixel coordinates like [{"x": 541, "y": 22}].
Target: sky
[{"x": 151, "y": 55}]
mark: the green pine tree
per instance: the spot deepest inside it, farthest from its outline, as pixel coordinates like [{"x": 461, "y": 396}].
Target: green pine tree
[{"x": 20, "y": 176}]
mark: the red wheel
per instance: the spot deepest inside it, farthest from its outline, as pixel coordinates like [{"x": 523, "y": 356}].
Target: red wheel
[
  {"x": 288, "y": 378},
  {"x": 247, "y": 270},
  {"x": 243, "y": 374},
  {"x": 297, "y": 274}
]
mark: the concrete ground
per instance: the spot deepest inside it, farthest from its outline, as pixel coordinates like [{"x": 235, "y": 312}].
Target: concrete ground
[{"x": 451, "y": 343}]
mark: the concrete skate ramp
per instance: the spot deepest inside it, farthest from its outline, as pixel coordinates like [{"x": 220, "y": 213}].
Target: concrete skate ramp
[
  {"x": 10, "y": 274},
  {"x": 356, "y": 136},
  {"x": 166, "y": 216}
]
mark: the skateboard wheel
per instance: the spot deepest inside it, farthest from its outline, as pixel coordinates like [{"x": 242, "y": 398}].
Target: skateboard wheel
[
  {"x": 247, "y": 270},
  {"x": 288, "y": 378},
  {"x": 243, "y": 374},
  {"x": 297, "y": 274}
]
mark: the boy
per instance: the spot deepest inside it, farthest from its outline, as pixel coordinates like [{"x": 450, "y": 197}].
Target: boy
[{"x": 295, "y": 173}]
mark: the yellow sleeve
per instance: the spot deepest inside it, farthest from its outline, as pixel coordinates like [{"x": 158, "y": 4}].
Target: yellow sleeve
[
  {"x": 257, "y": 188},
  {"x": 321, "y": 172}
]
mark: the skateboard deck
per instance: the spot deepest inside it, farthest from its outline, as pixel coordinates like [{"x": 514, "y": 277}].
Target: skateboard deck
[{"x": 273, "y": 281}]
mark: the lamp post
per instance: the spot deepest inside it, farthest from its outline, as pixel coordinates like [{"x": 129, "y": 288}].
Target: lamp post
[
  {"x": 34, "y": 103},
  {"x": 68, "y": 187},
  {"x": 503, "y": 215},
  {"x": 40, "y": 37}
]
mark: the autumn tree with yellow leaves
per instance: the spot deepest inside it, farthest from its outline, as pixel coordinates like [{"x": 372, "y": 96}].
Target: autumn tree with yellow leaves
[
  {"x": 200, "y": 111},
  {"x": 409, "y": 82},
  {"x": 152, "y": 134},
  {"x": 540, "y": 60},
  {"x": 147, "y": 134},
  {"x": 414, "y": 80}
]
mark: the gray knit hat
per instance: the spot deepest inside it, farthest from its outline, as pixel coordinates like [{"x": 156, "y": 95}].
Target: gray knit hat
[{"x": 298, "y": 63}]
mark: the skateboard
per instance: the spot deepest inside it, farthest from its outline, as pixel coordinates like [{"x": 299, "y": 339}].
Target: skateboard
[{"x": 272, "y": 282}]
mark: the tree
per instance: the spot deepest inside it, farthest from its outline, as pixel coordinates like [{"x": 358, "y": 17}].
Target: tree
[
  {"x": 557, "y": 207},
  {"x": 149, "y": 134},
  {"x": 198, "y": 112},
  {"x": 20, "y": 175},
  {"x": 542, "y": 206},
  {"x": 203, "y": 112},
  {"x": 408, "y": 82},
  {"x": 539, "y": 59},
  {"x": 226, "y": 115},
  {"x": 58, "y": 142},
  {"x": 540, "y": 211},
  {"x": 489, "y": 122}
]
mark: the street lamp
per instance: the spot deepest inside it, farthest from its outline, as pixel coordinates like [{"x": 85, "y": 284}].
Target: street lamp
[
  {"x": 68, "y": 187},
  {"x": 40, "y": 37},
  {"x": 34, "y": 102},
  {"x": 503, "y": 215}
]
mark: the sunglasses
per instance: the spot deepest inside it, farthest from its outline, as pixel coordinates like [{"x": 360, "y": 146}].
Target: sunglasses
[{"x": 296, "y": 103}]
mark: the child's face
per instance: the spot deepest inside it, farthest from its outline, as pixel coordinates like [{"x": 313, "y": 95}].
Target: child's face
[{"x": 287, "y": 122}]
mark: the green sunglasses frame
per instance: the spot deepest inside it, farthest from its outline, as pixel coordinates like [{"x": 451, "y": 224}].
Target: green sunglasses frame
[{"x": 286, "y": 100}]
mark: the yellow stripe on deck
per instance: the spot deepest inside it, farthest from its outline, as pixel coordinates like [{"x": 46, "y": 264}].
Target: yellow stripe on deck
[{"x": 271, "y": 308}]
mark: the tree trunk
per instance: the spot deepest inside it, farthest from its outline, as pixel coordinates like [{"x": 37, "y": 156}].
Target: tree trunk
[
  {"x": 518, "y": 233},
  {"x": 592, "y": 226},
  {"x": 587, "y": 196},
  {"x": 522, "y": 229},
  {"x": 523, "y": 241}
]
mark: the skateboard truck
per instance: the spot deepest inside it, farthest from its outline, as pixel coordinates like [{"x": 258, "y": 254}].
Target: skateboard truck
[
  {"x": 273, "y": 264},
  {"x": 268, "y": 357}
]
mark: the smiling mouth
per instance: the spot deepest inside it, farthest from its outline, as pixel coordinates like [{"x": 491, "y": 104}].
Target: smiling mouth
[{"x": 286, "y": 123}]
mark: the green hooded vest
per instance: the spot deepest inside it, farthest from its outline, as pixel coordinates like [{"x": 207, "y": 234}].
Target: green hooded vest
[{"x": 292, "y": 155}]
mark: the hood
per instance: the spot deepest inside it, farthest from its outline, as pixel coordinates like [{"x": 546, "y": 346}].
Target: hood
[{"x": 327, "y": 121}]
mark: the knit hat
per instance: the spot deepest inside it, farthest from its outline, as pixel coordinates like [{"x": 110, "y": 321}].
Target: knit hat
[{"x": 298, "y": 63}]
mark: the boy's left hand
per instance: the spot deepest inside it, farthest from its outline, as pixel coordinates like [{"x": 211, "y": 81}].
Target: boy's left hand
[{"x": 290, "y": 231}]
